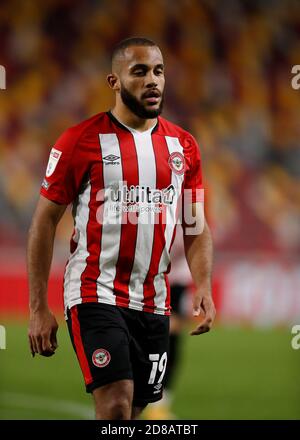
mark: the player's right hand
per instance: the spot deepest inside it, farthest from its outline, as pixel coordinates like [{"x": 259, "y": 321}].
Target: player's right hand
[{"x": 42, "y": 332}]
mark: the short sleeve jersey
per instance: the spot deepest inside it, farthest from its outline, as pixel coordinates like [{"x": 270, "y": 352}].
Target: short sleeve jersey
[{"x": 126, "y": 188}]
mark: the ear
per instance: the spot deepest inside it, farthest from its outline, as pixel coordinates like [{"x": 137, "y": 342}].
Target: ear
[{"x": 113, "y": 82}]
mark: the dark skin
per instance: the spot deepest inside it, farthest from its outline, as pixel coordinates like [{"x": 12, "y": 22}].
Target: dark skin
[
  {"x": 140, "y": 70},
  {"x": 199, "y": 255},
  {"x": 42, "y": 325}
]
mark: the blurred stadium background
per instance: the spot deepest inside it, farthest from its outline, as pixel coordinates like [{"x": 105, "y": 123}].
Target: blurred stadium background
[{"x": 229, "y": 83}]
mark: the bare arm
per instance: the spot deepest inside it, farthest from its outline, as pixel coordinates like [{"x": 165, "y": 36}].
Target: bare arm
[
  {"x": 199, "y": 255},
  {"x": 42, "y": 325}
]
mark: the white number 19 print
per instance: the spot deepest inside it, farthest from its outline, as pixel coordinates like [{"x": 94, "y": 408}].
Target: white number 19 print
[{"x": 159, "y": 364}]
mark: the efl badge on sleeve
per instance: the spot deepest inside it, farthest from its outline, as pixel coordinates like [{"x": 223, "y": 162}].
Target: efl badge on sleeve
[{"x": 53, "y": 161}]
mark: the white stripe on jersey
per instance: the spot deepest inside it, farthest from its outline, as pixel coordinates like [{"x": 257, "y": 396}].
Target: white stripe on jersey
[
  {"x": 111, "y": 228},
  {"x": 77, "y": 261},
  {"x": 177, "y": 180},
  {"x": 145, "y": 226}
]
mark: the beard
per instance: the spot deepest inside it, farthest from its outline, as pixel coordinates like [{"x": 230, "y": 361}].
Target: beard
[{"x": 137, "y": 107}]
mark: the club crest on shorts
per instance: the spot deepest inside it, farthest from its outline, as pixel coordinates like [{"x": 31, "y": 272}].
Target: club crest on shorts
[
  {"x": 176, "y": 162},
  {"x": 53, "y": 161},
  {"x": 101, "y": 358}
]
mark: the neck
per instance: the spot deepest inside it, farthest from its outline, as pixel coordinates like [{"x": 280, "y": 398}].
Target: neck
[{"x": 126, "y": 117}]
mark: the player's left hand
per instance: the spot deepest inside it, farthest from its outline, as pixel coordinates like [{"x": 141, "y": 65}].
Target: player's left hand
[
  {"x": 42, "y": 332},
  {"x": 203, "y": 302}
]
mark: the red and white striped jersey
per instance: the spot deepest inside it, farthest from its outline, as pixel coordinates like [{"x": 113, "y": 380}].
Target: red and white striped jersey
[{"x": 126, "y": 187}]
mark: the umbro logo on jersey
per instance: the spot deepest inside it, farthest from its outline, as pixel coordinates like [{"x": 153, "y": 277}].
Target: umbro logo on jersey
[{"x": 111, "y": 159}]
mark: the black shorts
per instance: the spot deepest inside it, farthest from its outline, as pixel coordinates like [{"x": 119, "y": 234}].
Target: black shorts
[{"x": 114, "y": 343}]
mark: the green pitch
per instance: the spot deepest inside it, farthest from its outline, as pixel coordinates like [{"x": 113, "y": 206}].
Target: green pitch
[{"x": 230, "y": 373}]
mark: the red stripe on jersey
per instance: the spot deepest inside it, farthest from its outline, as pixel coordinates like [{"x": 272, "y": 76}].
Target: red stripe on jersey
[
  {"x": 163, "y": 180},
  {"x": 178, "y": 213},
  {"x": 128, "y": 227},
  {"x": 94, "y": 234},
  {"x": 168, "y": 298},
  {"x": 84, "y": 365}
]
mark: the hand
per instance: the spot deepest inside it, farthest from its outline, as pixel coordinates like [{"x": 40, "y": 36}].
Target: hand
[
  {"x": 203, "y": 302},
  {"x": 42, "y": 332}
]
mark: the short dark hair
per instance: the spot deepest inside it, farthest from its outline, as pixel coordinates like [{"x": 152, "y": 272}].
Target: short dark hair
[{"x": 129, "y": 42}]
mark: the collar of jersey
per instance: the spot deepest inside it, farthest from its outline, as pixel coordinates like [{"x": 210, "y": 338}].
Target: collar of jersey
[{"x": 132, "y": 130}]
